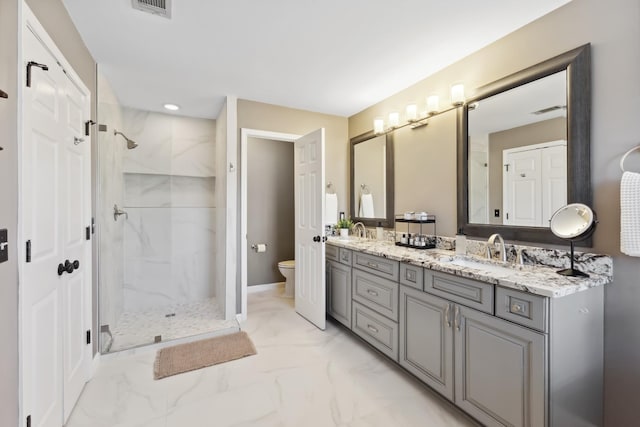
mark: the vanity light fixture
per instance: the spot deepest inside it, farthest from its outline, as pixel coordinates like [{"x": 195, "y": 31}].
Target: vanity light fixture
[
  {"x": 171, "y": 107},
  {"x": 378, "y": 126},
  {"x": 457, "y": 94},
  {"x": 394, "y": 120},
  {"x": 433, "y": 104},
  {"x": 412, "y": 113},
  {"x": 417, "y": 120}
]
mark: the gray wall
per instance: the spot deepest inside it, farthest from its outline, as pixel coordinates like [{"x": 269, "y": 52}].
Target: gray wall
[
  {"x": 270, "y": 208},
  {"x": 534, "y": 133},
  {"x": 613, "y": 31},
  {"x": 9, "y": 213}
]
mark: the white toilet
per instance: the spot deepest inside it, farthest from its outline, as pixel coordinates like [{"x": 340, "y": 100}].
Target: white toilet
[{"x": 288, "y": 270}]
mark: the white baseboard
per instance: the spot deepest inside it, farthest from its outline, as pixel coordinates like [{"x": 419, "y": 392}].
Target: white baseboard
[{"x": 265, "y": 287}]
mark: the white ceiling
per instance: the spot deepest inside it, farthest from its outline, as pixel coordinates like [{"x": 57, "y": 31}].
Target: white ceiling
[{"x": 330, "y": 56}]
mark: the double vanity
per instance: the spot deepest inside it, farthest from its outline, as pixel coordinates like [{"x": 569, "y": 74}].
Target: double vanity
[{"x": 509, "y": 344}]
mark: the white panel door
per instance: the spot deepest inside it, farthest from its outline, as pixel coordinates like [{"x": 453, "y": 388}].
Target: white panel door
[
  {"x": 310, "y": 292},
  {"x": 521, "y": 189},
  {"x": 55, "y": 209},
  {"x": 76, "y": 163},
  {"x": 554, "y": 181}
]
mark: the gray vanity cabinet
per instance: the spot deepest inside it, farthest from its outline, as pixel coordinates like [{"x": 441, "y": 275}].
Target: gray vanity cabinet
[
  {"x": 339, "y": 292},
  {"x": 499, "y": 370},
  {"x": 426, "y": 339}
]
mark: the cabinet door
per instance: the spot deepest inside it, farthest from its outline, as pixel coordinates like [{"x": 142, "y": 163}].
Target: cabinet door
[
  {"x": 500, "y": 370},
  {"x": 426, "y": 339},
  {"x": 339, "y": 292}
]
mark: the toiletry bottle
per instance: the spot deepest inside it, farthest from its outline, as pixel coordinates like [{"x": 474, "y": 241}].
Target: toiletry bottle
[
  {"x": 461, "y": 243},
  {"x": 411, "y": 240},
  {"x": 379, "y": 231},
  {"x": 403, "y": 240}
]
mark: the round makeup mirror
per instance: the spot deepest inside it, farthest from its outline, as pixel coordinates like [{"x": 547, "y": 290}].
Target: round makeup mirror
[{"x": 573, "y": 222}]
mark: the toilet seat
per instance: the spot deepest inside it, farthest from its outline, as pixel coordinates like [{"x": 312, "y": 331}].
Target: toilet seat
[{"x": 287, "y": 264}]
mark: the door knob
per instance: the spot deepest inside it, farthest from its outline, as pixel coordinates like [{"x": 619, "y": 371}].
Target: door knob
[{"x": 68, "y": 267}]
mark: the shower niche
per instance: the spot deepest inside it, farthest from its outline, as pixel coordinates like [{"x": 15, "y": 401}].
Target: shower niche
[{"x": 157, "y": 278}]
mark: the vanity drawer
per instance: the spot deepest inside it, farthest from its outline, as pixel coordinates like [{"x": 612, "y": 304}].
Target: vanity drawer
[
  {"x": 377, "y": 265},
  {"x": 474, "y": 294},
  {"x": 331, "y": 252},
  {"x": 376, "y": 293},
  {"x": 375, "y": 329},
  {"x": 523, "y": 308},
  {"x": 411, "y": 275},
  {"x": 345, "y": 256}
]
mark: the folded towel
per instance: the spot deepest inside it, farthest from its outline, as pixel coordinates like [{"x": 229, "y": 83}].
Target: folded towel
[
  {"x": 366, "y": 206},
  {"x": 331, "y": 209},
  {"x": 630, "y": 213}
]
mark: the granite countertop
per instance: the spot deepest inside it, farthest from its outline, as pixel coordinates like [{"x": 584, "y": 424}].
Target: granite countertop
[{"x": 536, "y": 279}]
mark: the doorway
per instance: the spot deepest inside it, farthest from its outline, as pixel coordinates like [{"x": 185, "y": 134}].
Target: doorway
[{"x": 266, "y": 264}]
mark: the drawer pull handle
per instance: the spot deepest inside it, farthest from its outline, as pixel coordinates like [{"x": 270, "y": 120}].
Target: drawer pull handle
[
  {"x": 372, "y": 292},
  {"x": 372, "y": 264},
  {"x": 517, "y": 308},
  {"x": 372, "y": 329},
  {"x": 456, "y": 318}
]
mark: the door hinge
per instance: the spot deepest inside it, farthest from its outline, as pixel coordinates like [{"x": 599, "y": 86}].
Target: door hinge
[
  {"x": 28, "y": 420},
  {"x": 93, "y": 225},
  {"x": 88, "y": 233},
  {"x": 89, "y": 336},
  {"x": 507, "y": 214},
  {"x": 506, "y": 166},
  {"x": 34, "y": 64},
  {"x": 28, "y": 257}
]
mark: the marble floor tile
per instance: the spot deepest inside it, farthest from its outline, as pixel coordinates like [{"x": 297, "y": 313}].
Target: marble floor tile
[{"x": 301, "y": 376}]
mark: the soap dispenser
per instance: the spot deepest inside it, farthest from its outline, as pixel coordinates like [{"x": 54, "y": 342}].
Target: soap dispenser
[
  {"x": 461, "y": 243},
  {"x": 379, "y": 231}
]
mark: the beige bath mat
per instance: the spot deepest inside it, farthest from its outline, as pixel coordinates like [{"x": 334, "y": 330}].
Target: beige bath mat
[{"x": 200, "y": 354}]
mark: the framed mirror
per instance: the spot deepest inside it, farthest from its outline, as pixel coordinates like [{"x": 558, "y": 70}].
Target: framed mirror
[
  {"x": 524, "y": 149},
  {"x": 372, "y": 179}
]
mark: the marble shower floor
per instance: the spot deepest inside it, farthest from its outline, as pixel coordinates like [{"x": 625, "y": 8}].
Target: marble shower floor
[
  {"x": 301, "y": 376},
  {"x": 139, "y": 328}
]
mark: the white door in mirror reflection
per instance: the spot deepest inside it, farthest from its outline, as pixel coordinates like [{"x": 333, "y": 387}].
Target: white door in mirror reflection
[{"x": 534, "y": 183}]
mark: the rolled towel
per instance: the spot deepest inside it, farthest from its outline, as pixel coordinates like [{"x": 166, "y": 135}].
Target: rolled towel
[
  {"x": 366, "y": 206},
  {"x": 630, "y": 213},
  {"x": 330, "y": 209}
]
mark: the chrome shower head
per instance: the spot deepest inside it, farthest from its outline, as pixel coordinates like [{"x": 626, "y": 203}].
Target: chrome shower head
[{"x": 131, "y": 144}]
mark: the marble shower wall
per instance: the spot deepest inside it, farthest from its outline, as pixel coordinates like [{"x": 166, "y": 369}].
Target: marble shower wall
[
  {"x": 169, "y": 237},
  {"x": 110, "y": 191}
]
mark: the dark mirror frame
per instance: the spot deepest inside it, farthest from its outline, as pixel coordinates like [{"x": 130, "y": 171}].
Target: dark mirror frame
[
  {"x": 388, "y": 221},
  {"x": 577, "y": 63}
]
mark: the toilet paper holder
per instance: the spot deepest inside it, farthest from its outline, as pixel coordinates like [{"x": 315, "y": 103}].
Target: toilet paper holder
[{"x": 259, "y": 247}]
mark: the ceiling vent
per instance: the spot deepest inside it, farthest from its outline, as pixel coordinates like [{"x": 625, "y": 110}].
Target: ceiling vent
[
  {"x": 550, "y": 109},
  {"x": 156, "y": 7}
]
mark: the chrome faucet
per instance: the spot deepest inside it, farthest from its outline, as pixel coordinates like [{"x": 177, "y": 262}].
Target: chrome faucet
[
  {"x": 491, "y": 242},
  {"x": 362, "y": 229}
]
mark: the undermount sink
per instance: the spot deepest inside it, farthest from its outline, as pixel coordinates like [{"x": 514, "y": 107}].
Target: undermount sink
[{"x": 477, "y": 265}]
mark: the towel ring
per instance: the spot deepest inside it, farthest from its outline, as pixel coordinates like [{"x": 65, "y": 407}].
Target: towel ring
[
  {"x": 330, "y": 189},
  {"x": 624, "y": 157},
  {"x": 365, "y": 189}
]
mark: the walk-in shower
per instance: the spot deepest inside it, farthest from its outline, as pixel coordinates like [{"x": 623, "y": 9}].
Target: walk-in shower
[{"x": 156, "y": 226}]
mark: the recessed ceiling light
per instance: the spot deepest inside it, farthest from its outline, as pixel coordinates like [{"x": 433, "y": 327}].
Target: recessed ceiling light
[{"x": 172, "y": 107}]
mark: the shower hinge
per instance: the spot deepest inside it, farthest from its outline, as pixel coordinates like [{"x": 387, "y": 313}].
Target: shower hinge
[
  {"x": 28, "y": 257},
  {"x": 88, "y": 233},
  {"x": 89, "y": 336},
  {"x": 157, "y": 339}
]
